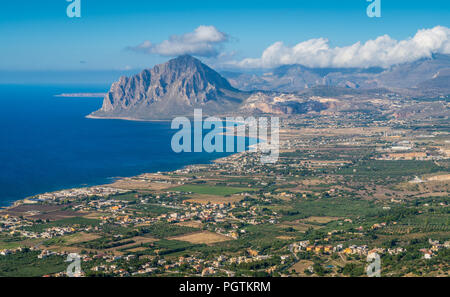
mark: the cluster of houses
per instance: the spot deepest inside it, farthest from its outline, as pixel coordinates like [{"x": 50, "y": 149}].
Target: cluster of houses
[
  {"x": 111, "y": 269},
  {"x": 15, "y": 226},
  {"x": 75, "y": 193},
  {"x": 49, "y": 232},
  {"x": 204, "y": 267},
  {"x": 9, "y": 223},
  {"x": 6, "y": 252},
  {"x": 363, "y": 250},
  {"x": 305, "y": 246},
  {"x": 435, "y": 247}
]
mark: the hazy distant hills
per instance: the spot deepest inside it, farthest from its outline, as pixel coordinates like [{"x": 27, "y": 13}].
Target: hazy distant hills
[
  {"x": 439, "y": 81},
  {"x": 424, "y": 73}
]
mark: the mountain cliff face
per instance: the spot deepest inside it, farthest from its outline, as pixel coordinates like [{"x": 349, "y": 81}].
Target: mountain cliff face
[{"x": 170, "y": 89}]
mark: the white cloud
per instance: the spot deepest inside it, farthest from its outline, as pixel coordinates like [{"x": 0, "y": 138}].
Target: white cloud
[
  {"x": 203, "y": 41},
  {"x": 383, "y": 51}
]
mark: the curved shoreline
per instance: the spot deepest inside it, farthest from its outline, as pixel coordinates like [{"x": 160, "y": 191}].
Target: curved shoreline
[
  {"x": 227, "y": 131},
  {"x": 17, "y": 202}
]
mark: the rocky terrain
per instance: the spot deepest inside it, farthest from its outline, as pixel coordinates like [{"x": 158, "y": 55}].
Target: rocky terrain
[
  {"x": 170, "y": 89},
  {"x": 182, "y": 84}
]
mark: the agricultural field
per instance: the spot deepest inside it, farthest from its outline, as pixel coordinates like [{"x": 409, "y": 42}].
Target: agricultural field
[
  {"x": 319, "y": 211},
  {"x": 211, "y": 190},
  {"x": 27, "y": 264},
  {"x": 213, "y": 199},
  {"x": 204, "y": 237}
]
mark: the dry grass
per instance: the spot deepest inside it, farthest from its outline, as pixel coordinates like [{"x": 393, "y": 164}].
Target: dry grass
[
  {"x": 193, "y": 224},
  {"x": 342, "y": 131},
  {"x": 147, "y": 181},
  {"x": 94, "y": 215},
  {"x": 138, "y": 249},
  {"x": 440, "y": 177},
  {"x": 301, "y": 266},
  {"x": 204, "y": 237},
  {"x": 284, "y": 237},
  {"x": 81, "y": 237}
]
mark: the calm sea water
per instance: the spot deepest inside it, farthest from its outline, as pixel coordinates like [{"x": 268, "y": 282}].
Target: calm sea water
[{"x": 47, "y": 144}]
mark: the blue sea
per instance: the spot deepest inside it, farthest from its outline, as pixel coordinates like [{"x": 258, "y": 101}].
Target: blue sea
[{"x": 47, "y": 144}]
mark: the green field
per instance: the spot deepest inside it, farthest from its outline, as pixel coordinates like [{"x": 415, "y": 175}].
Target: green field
[
  {"x": 161, "y": 230},
  {"x": 211, "y": 190},
  {"x": 381, "y": 169},
  {"x": 27, "y": 264}
]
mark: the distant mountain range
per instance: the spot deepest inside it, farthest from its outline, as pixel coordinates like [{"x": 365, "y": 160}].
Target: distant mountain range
[
  {"x": 180, "y": 85},
  {"x": 425, "y": 73}
]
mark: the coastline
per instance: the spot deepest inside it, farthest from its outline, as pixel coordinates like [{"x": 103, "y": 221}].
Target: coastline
[
  {"x": 80, "y": 95},
  {"x": 227, "y": 131},
  {"x": 24, "y": 200},
  {"x": 90, "y": 116},
  {"x": 114, "y": 180}
]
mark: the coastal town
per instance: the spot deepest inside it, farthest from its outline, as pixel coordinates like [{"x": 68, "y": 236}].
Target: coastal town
[{"x": 335, "y": 196}]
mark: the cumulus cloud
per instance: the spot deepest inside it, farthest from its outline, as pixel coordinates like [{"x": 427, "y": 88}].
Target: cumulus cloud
[
  {"x": 204, "y": 41},
  {"x": 382, "y": 51}
]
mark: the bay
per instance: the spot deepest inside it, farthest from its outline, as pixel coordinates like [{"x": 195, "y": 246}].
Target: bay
[{"x": 47, "y": 144}]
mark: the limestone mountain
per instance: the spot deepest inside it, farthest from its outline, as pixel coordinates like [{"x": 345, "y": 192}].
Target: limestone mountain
[{"x": 171, "y": 89}]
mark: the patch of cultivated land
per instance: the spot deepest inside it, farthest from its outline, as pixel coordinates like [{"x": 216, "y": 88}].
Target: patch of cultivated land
[
  {"x": 301, "y": 266},
  {"x": 94, "y": 215},
  {"x": 136, "y": 241},
  {"x": 211, "y": 189},
  {"x": 16, "y": 244},
  {"x": 193, "y": 224},
  {"x": 440, "y": 177},
  {"x": 284, "y": 237},
  {"x": 57, "y": 215},
  {"x": 320, "y": 220},
  {"x": 213, "y": 199},
  {"x": 137, "y": 184},
  {"x": 299, "y": 226},
  {"x": 204, "y": 237},
  {"x": 41, "y": 212},
  {"x": 72, "y": 249},
  {"x": 138, "y": 249},
  {"x": 32, "y": 207},
  {"x": 81, "y": 237}
]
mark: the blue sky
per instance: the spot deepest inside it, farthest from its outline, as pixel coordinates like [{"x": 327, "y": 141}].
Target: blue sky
[{"x": 37, "y": 34}]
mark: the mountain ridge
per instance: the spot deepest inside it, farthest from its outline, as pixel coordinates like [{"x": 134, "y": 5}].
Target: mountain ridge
[
  {"x": 182, "y": 84},
  {"x": 297, "y": 77},
  {"x": 173, "y": 88}
]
